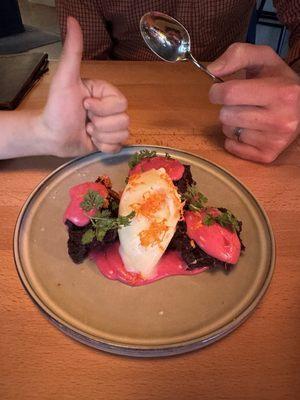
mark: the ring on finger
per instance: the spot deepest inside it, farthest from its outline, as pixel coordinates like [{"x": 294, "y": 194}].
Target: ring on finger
[{"x": 237, "y": 132}]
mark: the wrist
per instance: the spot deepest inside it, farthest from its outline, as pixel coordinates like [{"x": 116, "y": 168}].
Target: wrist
[
  {"x": 44, "y": 138},
  {"x": 23, "y": 134}
]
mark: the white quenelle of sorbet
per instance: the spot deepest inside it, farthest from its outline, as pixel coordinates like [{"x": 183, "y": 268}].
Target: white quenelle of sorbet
[{"x": 155, "y": 200}]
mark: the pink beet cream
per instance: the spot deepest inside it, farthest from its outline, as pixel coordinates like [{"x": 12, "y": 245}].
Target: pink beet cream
[
  {"x": 215, "y": 240},
  {"x": 111, "y": 265},
  {"x": 173, "y": 167},
  {"x": 74, "y": 212}
]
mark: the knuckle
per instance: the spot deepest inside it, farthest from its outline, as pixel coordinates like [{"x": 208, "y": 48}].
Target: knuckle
[
  {"x": 224, "y": 116},
  {"x": 239, "y": 49},
  {"x": 125, "y": 135},
  {"x": 279, "y": 144},
  {"x": 269, "y": 157},
  {"x": 236, "y": 48},
  {"x": 123, "y": 103},
  {"x": 287, "y": 127},
  {"x": 283, "y": 143},
  {"x": 268, "y": 51},
  {"x": 290, "y": 94},
  {"x": 125, "y": 120}
]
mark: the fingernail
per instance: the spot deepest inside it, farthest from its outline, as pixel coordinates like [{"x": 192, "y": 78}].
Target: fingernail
[
  {"x": 212, "y": 92},
  {"x": 216, "y": 66},
  {"x": 86, "y": 105}
]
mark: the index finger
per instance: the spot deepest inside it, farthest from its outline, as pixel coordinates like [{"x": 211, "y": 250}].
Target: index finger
[
  {"x": 105, "y": 98},
  {"x": 106, "y": 106},
  {"x": 244, "y": 55},
  {"x": 99, "y": 88},
  {"x": 255, "y": 92}
]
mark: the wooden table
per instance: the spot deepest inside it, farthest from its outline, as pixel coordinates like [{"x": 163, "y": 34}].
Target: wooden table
[{"x": 168, "y": 106}]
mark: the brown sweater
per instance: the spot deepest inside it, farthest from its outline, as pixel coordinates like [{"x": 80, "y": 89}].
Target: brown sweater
[{"x": 111, "y": 27}]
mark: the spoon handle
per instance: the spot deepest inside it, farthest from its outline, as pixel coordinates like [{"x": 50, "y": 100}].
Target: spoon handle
[{"x": 190, "y": 57}]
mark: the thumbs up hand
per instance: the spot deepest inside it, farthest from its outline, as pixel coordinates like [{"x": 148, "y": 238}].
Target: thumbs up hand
[{"x": 82, "y": 116}]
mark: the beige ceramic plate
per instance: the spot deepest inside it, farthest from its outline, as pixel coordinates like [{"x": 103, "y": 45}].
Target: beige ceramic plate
[{"x": 171, "y": 316}]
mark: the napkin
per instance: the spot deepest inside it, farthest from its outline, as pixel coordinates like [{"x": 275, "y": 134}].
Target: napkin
[{"x": 18, "y": 74}]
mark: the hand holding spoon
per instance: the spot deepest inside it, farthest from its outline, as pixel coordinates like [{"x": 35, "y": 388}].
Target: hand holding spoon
[{"x": 169, "y": 39}]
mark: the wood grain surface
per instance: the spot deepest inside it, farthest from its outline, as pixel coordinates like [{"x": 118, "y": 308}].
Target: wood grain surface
[{"x": 168, "y": 105}]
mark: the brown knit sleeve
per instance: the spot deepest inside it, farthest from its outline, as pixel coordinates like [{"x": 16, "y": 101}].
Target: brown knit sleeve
[
  {"x": 96, "y": 40},
  {"x": 288, "y": 12}
]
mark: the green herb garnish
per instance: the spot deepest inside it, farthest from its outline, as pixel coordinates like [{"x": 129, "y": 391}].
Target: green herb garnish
[
  {"x": 88, "y": 236},
  {"x": 138, "y": 157},
  {"x": 225, "y": 219},
  {"x": 114, "y": 205},
  {"x": 101, "y": 221},
  {"x": 228, "y": 220},
  {"x": 209, "y": 220},
  {"x": 92, "y": 200},
  {"x": 194, "y": 199}
]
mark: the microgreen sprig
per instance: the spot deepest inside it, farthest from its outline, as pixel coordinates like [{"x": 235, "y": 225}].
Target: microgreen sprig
[
  {"x": 225, "y": 219},
  {"x": 92, "y": 200},
  {"x": 195, "y": 200},
  {"x": 101, "y": 221},
  {"x": 138, "y": 157}
]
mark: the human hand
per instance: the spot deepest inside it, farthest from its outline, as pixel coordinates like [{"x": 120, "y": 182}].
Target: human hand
[
  {"x": 72, "y": 101},
  {"x": 266, "y": 105}
]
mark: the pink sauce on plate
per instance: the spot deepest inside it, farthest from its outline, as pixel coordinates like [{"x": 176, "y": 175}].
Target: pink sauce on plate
[
  {"x": 111, "y": 265},
  {"x": 215, "y": 240},
  {"x": 173, "y": 167},
  {"x": 74, "y": 212}
]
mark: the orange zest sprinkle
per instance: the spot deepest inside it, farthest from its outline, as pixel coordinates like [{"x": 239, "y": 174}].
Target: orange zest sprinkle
[
  {"x": 155, "y": 233},
  {"x": 152, "y": 203},
  {"x": 198, "y": 224},
  {"x": 133, "y": 180}
]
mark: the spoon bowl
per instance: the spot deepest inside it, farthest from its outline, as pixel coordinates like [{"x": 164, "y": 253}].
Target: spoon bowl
[{"x": 169, "y": 39}]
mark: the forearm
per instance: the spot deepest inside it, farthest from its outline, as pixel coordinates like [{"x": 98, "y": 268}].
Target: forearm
[{"x": 22, "y": 134}]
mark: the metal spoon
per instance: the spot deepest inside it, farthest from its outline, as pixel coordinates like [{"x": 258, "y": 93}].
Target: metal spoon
[{"x": 169, "y": 39}]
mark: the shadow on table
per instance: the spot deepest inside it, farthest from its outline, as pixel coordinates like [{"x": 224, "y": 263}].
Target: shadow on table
[
  {"x": 214, "y": 135},
  {"x": 43, "y": 163}
]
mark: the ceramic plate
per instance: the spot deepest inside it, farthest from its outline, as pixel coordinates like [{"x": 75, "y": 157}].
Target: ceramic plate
[{"x": 171, "y": 316}]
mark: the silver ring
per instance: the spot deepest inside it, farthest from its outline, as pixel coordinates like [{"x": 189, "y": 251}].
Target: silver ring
[{"x": 237, "y": 133}]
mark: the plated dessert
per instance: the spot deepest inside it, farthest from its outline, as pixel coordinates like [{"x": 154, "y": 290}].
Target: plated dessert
[{"x": 160, "y": 225}]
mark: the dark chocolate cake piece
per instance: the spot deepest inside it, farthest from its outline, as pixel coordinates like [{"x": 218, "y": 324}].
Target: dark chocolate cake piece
[
  {"x": 185, "y": 181},
  {"x": 79, "y": 251},
  {"x": 192, "y": 254}
]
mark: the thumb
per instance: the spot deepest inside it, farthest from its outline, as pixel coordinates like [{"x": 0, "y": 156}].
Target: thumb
[
  {"x": 68, "y": 70},
  {"x": 244, "y": 56}
]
